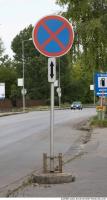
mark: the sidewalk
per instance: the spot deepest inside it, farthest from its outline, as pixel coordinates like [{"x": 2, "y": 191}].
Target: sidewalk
[{"x": 89, "y": 168}]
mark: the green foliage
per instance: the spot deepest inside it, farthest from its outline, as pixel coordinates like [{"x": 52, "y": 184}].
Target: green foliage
[
  {"x": 15, "y": 94},
  {"x": 35, "y": 65},
  {"x": 89, "y": 19},
  {"x": 7, "y": 71},
  {"x": 8, "y": 76},
  {"x": 1, "y": 47},
  {"x": 98, "y": 123}
]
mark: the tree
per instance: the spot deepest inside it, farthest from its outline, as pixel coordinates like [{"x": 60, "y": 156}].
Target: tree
[
  {"x": 15, "y": 94},
  {"x": 8, "y": 73},
  {"x": 35, "y": 65},
  {"x": 8, "y": 76},
  {"x": 1, "y": 47},
  {"x": 89, "y": 19}
]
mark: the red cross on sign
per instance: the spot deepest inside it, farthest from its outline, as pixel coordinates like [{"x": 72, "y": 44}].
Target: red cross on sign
[{"x": 53, "y": 36}]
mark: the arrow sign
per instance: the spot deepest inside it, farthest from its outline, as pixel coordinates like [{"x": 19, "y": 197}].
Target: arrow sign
[
  {"x": 51, "y": 70},
  {"x": 51, "y": 74}
]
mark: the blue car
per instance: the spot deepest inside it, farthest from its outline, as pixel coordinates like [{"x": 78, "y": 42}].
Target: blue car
[{"x": 76, "y": 105}]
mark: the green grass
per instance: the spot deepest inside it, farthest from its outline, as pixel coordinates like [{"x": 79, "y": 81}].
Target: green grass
[{"x": 98, "y": 123}]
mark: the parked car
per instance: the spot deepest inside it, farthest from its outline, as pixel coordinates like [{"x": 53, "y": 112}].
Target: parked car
[{"x": 76, "y": 105}]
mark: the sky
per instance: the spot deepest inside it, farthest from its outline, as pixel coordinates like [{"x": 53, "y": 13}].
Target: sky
[{"x": 15, "y": 15}]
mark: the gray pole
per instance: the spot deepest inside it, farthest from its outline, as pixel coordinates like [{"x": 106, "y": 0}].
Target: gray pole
[
  {"x": 59, "y": 85},
  {"x": 94, "y": 87},
  {"x": 52, "y": 129},
  {"x": 94, "y": 94},
  {"x": 23, "y": 60}
]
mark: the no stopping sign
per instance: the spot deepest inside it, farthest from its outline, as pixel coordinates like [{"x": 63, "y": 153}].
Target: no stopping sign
[{"x": 53, "y": 36}]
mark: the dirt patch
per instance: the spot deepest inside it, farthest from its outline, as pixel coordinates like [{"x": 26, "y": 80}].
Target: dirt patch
[{"x": 77, "y": 149}]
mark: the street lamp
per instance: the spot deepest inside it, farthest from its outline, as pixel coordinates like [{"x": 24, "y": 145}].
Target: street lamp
[{"x": 23, "y": 61}]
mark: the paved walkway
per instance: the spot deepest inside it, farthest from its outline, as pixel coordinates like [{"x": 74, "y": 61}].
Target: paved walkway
[{"x": 89, "y": 168}]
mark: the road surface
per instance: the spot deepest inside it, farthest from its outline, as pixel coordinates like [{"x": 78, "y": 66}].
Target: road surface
[{"x": 25, "y": 137}]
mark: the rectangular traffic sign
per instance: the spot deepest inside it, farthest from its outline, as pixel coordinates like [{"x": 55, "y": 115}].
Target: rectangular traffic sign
[
  {"x": 101, "y": 84},
  {"x": 20, "y": 82},
  {"x": 2, "y": 90},
  {"x": 91, "y": 87},
  {"x": 51, "y": 70}
]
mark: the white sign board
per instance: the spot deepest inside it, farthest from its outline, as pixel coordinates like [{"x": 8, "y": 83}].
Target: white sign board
[
  {"x": 20, "y": 82},
  {"x": 91, "y": 87},
  {"x": 58, "y": 90},
  {"x": 24, "y": 91},
  {"x": 2, "y": 90},
  {"x": 51, "y": 70},
  {"x": 56, "y": 83},
  {"x": 102, "y": 82}
]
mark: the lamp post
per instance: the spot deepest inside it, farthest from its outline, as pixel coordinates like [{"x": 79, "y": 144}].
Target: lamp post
[{"x": 23, "y": 62}]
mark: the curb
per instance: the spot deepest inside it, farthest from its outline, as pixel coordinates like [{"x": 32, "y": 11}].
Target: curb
[{"x": 12, "y": 113}]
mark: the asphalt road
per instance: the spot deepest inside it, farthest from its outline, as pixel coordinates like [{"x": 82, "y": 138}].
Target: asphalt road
[{"x": 24, "y": 138}]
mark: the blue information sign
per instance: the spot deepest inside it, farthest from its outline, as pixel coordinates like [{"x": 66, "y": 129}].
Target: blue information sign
[{"x": 101, "y": 84}]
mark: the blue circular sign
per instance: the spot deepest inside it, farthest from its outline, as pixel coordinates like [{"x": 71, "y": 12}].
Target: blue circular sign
[{"x": 53, "y": 36}]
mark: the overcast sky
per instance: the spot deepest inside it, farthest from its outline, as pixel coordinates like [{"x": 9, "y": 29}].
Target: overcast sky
[{"x": 15, "y": 15}]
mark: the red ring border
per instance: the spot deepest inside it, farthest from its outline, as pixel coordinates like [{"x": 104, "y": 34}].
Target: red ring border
[{"x": 67, "y": 25}]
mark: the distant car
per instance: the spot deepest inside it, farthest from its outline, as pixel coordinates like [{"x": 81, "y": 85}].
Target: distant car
[{"x": 76, "y": 105}]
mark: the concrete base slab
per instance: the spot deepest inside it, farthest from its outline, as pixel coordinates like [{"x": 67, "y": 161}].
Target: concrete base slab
[{"x": 52, "y": 178}]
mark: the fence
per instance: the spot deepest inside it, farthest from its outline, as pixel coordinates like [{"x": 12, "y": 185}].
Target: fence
[{"x": 8, "y": 105}]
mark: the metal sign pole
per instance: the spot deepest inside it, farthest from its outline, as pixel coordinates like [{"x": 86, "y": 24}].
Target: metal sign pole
[
  {"x": 94, "y": 95},
  {"x": 59, "y": 86},
  {"x": 94, "y": 87},
  {"x": 52, "y": 130},
  {"x": 52, "y": 79},
  {"x": 23, "y": 60}
]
